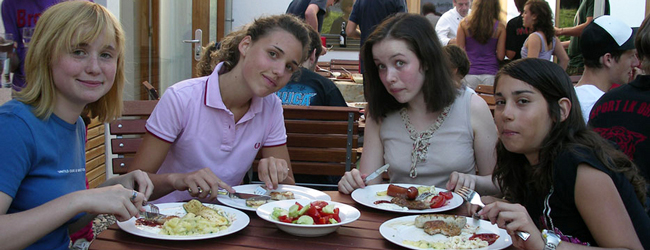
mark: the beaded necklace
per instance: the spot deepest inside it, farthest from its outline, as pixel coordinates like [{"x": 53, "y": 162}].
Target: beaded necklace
[{"x": 421, "y": 140}]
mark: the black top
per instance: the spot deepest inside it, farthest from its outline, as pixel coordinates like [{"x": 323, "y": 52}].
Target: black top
[
  {"x": 564, "y": 215},
  {"x": 311, "y": 89},
  {"x": 516, "y": 35},
  {"x": 298, "y": 8}
]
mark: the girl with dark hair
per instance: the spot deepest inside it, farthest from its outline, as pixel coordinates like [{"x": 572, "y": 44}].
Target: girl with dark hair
[
  {"x": 542, "y": 43},
  {"x": 427, "y": 128},
  {"x": 205, "y": 132},
  {"x": 483, "y": 36},
  {"x": 569, "y": 181}
]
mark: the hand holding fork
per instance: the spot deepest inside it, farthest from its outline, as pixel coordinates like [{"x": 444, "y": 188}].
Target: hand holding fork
[{"x": 473, "y": 197}]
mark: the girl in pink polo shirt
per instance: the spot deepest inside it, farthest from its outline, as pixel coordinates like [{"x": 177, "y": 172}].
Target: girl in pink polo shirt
[{"x": 205, "y": 132}]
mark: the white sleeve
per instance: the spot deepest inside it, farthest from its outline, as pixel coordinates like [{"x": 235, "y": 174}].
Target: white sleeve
[{"x": 442, "y": 29}]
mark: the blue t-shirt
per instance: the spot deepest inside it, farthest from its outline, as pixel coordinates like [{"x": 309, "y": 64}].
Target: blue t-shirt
[
  {"x": 298, "y": 8},
  {"x": 41, "y": 160}
]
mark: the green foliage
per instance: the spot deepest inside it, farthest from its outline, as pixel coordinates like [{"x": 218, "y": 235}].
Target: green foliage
[
  {"x": 566, "y": 20},
  {"x": 329, "y": 19}
]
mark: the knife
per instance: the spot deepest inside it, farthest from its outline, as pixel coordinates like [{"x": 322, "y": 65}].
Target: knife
[
  {"x": 245, "y": 196},
  {"x": 377, "y": 173}
]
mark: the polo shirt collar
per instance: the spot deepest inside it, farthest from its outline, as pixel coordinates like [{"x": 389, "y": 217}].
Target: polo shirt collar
[{"x": 213, "y": 94}]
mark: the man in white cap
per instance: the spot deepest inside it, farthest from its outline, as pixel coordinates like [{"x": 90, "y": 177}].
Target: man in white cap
[{"x": 608, "y": 49}]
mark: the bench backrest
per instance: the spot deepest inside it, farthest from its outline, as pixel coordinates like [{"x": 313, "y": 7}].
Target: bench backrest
[
  {"x": 487, "y": 93},
  {"x": 321, "y": 140},
  {"x": 124, "y": 135}
]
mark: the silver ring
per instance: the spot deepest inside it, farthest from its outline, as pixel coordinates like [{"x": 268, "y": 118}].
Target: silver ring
[
  {"x": 189, "y": 190},
  {"x": 200, "y": 190},
  {"x": 135, "y": 195}
]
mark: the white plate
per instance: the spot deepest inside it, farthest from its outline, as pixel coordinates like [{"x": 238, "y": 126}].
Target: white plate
[
  {"x": 402, "y": 228},
  {"x": 298, "y": 193},
  {"x": 368, "y": 195},
  {"x": 347, "y": 214},
  {"x": 239, "y": 221}
]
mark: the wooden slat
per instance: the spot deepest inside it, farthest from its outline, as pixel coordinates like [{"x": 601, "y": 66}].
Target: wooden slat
[
  {"x": 117, "y": 168},
  {"x": 95, "y": 162},
  {"x": 121, "y": 127},
  {"x": 319, "y": 140},
  {"x": 95, "y": 172},
  {"x": 345, "y": 62},
  {"x": 313, "y": 168},
  {"x": 304, "y": 126},
  {"x": 318, "y": 154},
  {"x": 94, "y": 132},
  {"x": 320, "y": 113},
  {"x": 95, "y": 152},
  {"x": 485, "y": 89},
  {"x": 125, "y": 145},
  {"x": 94, "y": 142},
  {"x": 93, "y": 183}
]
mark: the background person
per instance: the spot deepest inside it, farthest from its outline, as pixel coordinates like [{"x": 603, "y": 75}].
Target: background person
[
  {"x": 583, "y": 17},
  {"x": 447, "y": 26},
  {"x": 483, "y": 37},
  {"x": 609, "y": 57},
  {"x": 367, "y": 14},
  {"x": 516, "y": 33},
  {"x": 409, "y": 85},
  {"x": 559, "y": 175},
  {"x": 542, "y": 42},
  {"x": 626, "y": 123},
  {"x": 205, "y": 132},
  {"x": 308, "y": 88},
  {"x": 429, "y": 11},
  {"x": 312, "y": 11},
  {"x": 75, "y": 63}
]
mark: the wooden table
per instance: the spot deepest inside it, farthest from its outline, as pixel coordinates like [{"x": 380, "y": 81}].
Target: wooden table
[{"x": 260, "y": 234}]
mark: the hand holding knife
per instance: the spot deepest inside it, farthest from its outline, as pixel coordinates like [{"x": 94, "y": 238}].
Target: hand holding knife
[{"x": 377, "y": 173}]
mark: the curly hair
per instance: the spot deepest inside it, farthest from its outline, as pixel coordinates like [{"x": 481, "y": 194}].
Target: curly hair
[
  {"x": 544, "y": 21},
  {"x": 206, "y": 65},
  {"x": 416, "y": 31},
  {"x": 229, "y": 51},
  {"x": 481, "y": 20},
  {"x": 514, "y": 173}
]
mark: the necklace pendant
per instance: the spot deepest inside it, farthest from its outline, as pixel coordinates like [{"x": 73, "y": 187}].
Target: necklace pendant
[{"x": 413, "y": 173}]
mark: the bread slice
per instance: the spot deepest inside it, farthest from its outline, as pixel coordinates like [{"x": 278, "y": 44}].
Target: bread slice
[{"x": 279, "y": 196}]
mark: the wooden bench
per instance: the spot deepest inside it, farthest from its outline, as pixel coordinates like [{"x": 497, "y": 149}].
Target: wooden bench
[
  {"x": 487, "y": 93},
  {"x": 123, "y": 136},
  {"x": 322, "y": 141}
]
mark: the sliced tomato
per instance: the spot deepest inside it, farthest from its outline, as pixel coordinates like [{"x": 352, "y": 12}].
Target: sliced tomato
[
  {"x": 299, "y": 206},
  {"x": 448, "y": 195},
  {"x": 490, "y": 238},
  {"x": 284, "y": 218},
  {"x": 437, "y": 201},
  {"x": 313, "y": 212},
  {"x": 336, "y": 215},
  {"x": 319, "y": 204}
]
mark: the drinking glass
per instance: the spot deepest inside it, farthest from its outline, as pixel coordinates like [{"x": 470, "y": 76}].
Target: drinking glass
[
  {"x": 27, "y": 33},
  {"x": 6, "y": 45}
]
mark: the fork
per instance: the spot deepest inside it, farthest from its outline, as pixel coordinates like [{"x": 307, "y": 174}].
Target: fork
[
  {"x": 153, "y": 213},
  {"x": 473, "y": 197}
]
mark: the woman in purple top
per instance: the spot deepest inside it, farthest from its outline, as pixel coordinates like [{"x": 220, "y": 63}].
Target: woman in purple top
[
  {"x": 483, "y": 37},
  {"x": 542, "y": 42}
]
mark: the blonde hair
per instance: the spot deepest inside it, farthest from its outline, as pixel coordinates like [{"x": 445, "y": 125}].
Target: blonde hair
[{"x": 59, "y": 30}]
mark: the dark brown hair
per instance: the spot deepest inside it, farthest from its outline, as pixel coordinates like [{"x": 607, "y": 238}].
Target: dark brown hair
[
  {"x": 229, "y": 51},
  {"x": 514, "y": 173},
  {"x": 416, "y": 31},
  {"x": 544, "y": 22}
]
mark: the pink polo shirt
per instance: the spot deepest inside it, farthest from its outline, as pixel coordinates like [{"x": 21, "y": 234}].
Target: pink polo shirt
[{"x": 192, "y": 117}]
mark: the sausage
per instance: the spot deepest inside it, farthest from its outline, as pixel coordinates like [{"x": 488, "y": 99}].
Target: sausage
[
  {"x": 412, "y": 193},
  {"x": 397, "y": 191}
]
